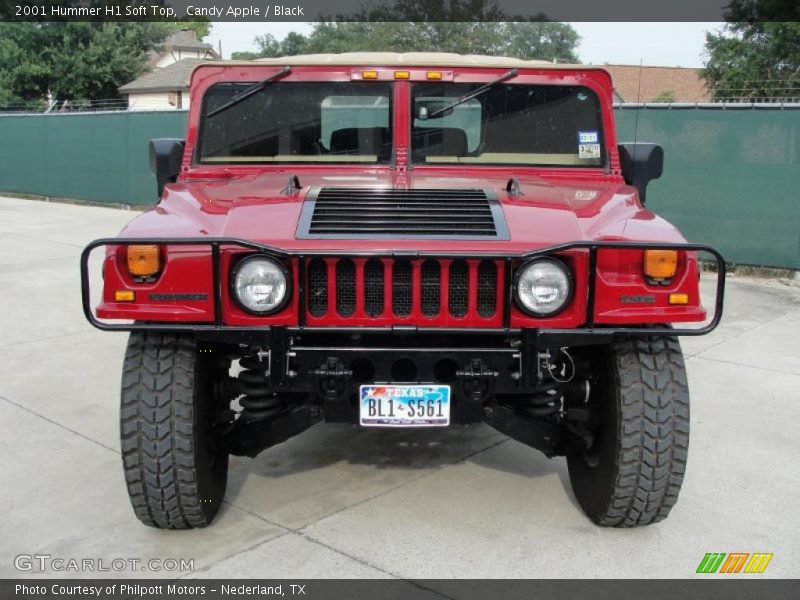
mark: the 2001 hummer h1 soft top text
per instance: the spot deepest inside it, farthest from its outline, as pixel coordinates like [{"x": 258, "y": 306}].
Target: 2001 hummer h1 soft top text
[{"x": 412, "y": 240}]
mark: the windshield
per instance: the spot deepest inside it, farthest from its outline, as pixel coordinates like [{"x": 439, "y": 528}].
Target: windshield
[
  {"x": 509, "y": 124},
  {"x": 332, "y": 122}
]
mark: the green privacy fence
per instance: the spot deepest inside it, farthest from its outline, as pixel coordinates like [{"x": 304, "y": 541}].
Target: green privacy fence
[
  {"x": 101, "y": 157},
  {"x": 731, "y": 176}
]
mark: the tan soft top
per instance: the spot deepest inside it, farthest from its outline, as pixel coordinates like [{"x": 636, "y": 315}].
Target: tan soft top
[{"x": 408, "y": 59}]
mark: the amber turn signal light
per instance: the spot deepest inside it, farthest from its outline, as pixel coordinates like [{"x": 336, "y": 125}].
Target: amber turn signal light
[
  {"x": 144, "y": 260},
  {"x": 660, "y": 264},
  {"x": 124, "y": 296},
  {"x": 679, "y": 298},
  {"x": 369, "y": 75}
]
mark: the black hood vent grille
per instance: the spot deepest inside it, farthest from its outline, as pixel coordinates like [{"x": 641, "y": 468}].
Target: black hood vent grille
[{"x": 351, "y": 213}]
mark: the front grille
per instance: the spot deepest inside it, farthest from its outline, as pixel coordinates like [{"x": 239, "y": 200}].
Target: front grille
[
  {"x": 430, "y": 288},
  {"x": 457, "y": 288},
  {"x": 318, "y": 286},
  {"x": 401, "y": 288},
  {"x": 487, "y": 288},
  {"x": 401, "y": 213},
  {"x": 373, "y": 287},
  {"x": 345, "y": 287},
  {"x": 387, "y": 290}
]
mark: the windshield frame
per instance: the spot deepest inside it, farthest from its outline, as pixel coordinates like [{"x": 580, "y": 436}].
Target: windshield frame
[
  {"x": 517, "y": 81},
  {"x": 209, "y": 74},
  {"x": 199, "y": 160}
]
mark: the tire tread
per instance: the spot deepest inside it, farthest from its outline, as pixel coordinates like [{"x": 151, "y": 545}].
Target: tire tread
[
  {"x": 158, "y": 431},
  {"x": 652, "y": 431}
]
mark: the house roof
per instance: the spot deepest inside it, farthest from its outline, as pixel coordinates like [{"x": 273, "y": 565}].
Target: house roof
[
  {"x": 686, "y": 85},
  {"x": 181, "y": 40},
  {"x": 166, "y": 79}
]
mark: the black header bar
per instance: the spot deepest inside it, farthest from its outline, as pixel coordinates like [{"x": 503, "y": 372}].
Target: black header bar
[
  {"x": 731, "y": 588},
  {"x": 395, "y": 10}
]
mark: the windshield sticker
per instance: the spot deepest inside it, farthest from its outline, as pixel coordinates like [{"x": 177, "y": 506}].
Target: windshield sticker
[
  {"x": 588, "y": 150},
  {"x": 588, "y": 137}
]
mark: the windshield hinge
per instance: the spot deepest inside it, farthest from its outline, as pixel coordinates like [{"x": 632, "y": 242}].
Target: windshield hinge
[
  {"x": 512, "y": 188},
  {"x": 401, "y": 158},
  {"x": 292, "y": 186}
]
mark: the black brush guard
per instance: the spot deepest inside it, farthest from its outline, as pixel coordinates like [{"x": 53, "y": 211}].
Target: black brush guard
[
  {"x": 588, "y": 334},
  {"x": 251, "y": 437}
]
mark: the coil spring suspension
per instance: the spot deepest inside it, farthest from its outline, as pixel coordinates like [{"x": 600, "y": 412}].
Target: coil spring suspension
[
  {"x": 259, "y": 401},
  {"x": 546, "y": 402}
]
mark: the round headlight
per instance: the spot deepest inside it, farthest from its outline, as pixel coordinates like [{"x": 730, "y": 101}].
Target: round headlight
[
  {"x": 260, "y": 285},
  {"x": 543, "y": 286}
]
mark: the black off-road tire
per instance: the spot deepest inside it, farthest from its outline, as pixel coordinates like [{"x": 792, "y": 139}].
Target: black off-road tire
[
  {"x": 175, "y": 471},
  {"x": 632, "y": 474}
]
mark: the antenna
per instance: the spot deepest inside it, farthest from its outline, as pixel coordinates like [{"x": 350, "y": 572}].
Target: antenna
[
  {"x": 638, "y": 101},
  {"x": 636, "y": 123}
]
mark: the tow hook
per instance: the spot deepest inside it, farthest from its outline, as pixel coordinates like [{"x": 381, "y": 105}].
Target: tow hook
[
  {"x": 476, "y": 380},
  {"x": 333, "y": 379}
]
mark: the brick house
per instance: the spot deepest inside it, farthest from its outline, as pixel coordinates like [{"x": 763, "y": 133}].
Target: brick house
[{"x": 681, "y": 84}]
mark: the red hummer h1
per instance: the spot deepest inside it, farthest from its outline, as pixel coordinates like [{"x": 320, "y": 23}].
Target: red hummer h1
[{"x": 402, "y": 240}]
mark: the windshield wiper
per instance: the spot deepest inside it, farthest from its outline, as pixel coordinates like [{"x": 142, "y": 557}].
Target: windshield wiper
[
  {"x": 474, "y": 93},
  {"x": 252, "y": 90}
]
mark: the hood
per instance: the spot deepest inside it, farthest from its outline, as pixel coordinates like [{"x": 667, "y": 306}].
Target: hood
[{"x": 262, "y": 207}]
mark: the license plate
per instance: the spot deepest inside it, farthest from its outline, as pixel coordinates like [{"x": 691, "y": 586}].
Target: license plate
[{"x": 404, "y": 405}]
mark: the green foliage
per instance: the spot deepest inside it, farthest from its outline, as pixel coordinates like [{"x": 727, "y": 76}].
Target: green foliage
[
  {"x": 750, "y": 11},
  {"x": 245, "y": 55},
  {"x": 757, "y": 54},
  {"x": 76, "y": 60},
  {"x": 665, "y": 96},
  {"x": 433, "y": 11},
  {"x": 269, "y": 46},
  {"x": 201, "y": 28},
  {"x": 460, "y": 26},
  {"x": 528, "y": 40}
]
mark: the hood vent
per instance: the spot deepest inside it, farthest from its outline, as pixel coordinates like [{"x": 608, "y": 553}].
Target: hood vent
[{"x": 351, "y": 213}]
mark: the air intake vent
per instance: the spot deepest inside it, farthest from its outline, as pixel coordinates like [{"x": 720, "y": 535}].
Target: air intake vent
[{"x": 348, "y": 213}]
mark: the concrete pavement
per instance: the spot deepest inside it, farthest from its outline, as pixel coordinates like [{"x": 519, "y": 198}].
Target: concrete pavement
[{"x": 338, "y": 501}]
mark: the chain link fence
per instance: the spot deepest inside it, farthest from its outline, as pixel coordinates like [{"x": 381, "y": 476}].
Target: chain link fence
[
  {"x": 63, "y": 106},
  {"x": 770, "y": 91}
]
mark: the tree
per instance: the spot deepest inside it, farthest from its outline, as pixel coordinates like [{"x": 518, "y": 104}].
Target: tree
[
  {"x": 435, "y": 11},
  {"x": 76, "y": 60},
  {"x": 461, "y": 26},
  {"x": 201, "y": 28},
  {"x": 757, "y": 54},
  {"x": 528, "y": 40},
  {"x": 245, "y": 55},
  {"x": 269, "y": 46},
  {"x": 294, "y": 43}
]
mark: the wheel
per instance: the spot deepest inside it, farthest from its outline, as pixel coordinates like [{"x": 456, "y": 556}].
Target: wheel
[
  {"x": 632, "y": 473},
  {"x": 175, "y": 469}
]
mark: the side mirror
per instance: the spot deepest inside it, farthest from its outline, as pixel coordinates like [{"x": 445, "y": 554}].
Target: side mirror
[
  {"x": 166, "y": 155},
  {"x": 640, "y": 163}
]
